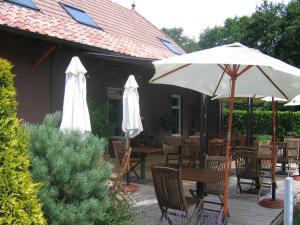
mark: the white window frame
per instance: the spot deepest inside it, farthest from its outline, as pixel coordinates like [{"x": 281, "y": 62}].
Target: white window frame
[{"x": 178, "y": 107}]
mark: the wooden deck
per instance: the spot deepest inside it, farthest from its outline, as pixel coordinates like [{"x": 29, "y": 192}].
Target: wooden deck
[{"x": 243, "y": 209}]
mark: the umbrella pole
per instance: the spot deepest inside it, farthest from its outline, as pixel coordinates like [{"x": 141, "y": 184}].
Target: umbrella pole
[
  {"x": 273, "y": 202},
  {"x": 274, "y": 149},
  {"x": 228, "y": 143}
]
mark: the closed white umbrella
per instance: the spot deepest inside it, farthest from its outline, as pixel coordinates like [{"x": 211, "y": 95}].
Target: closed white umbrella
[
  {"x": 234, "y": 69},
  {"x": 75, "y": 114},
  {"x": 131, "y": 124}
]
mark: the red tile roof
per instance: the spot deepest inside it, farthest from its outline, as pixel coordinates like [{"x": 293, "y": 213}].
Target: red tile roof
[{"x": 124, "y": 30}]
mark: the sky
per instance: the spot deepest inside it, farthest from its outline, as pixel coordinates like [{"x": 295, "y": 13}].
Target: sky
[{"x": 192, "y": 15}]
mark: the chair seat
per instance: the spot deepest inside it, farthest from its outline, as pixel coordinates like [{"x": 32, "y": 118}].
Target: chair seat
[{"x": 191, "y": 201}]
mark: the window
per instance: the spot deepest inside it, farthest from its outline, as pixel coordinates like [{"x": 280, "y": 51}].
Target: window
[
  {"x": 176, "y": 114},
  {"x": 171, "y": 47},
  {"x": 26, "y": 3},
  {"x": 80, "y": 16}
]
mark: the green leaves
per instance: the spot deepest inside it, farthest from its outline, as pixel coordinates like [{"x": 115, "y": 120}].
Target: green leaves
[{"x": 262, "y": 122}]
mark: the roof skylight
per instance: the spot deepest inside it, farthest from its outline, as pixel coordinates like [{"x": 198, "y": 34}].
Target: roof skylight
[
  {"x": 26, "y": 3},
  {"x": 80, "y": 16},
  {"x": 171, "y": 47}
]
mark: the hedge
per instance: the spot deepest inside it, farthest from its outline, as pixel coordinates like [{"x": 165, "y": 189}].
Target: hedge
[
  {"x": 262, "y": 122},
  {"x": 18, "y": 193}
]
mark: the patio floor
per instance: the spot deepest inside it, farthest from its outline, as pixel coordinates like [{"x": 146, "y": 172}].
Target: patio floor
[{"x": 243, "y": 209}]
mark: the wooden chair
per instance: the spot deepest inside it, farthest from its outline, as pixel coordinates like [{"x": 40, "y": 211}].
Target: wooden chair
[
  {"x": 216, "y": 147},
  {"x": 119, "y": 150},
  {"x": 292, "y": 151},
  {"x": 171, "y": 149},
  {"x": 189, "y": 152},
  {"x": 215, "y": 163},
  {"x": 248, "y": 171},
  {"x": 170, "y": 194},
  {"x": 119, "y": 174}
]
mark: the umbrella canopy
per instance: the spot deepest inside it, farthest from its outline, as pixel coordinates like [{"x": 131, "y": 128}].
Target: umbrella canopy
[
  {"x": 75, "y": 114},
  {"x": 294, "y": 102},
  {"x": 269, "y": 99},
  {"x": 208, "y": 71},
  {"x": 234, "y": 69},
  {"x": 131, "y": 123}
]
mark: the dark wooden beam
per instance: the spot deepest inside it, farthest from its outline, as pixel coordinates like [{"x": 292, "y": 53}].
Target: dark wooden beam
[{"x": 43, "y": 56}]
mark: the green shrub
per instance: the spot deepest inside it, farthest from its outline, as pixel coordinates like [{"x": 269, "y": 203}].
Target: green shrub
[
  {"x": 262, "y": 122},
  {"x": 103, "y": 125},
  {"x": 18, "y": 200},
  {"x": 74, "y": 177}
]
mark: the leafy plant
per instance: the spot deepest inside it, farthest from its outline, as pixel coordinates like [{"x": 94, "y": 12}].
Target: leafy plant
[
  {"x": 165, "y": 122},
  {"x": 74, "y": 178},
  {"x": 263, "y": 139},
  {"x": 102, "y": 124},
  {"x": 18, "y": 193}
]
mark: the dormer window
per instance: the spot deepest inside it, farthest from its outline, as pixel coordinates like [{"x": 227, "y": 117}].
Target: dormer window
[
  {"x": 80, "y": 16},
  {"x": 171, "y": 47},
  {"x": 26, "y": 3}
]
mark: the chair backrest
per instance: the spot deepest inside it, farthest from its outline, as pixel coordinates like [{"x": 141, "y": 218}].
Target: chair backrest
[
  {"x": 173, "y": 140},
  {"x": 190, "y": 148},
  {"x": 247, "y": 164},
  {"x": 169, "y": 149},
  {"x": 216, "y": 147},
  {"x": 265, "y": 154},
  {"x": 122, "y": 170},
  {"x": 168, "y": 188},
  {"x": 119, "y": 149},
  {"x": 292, "y": 146},
  {"x": 215, "y": 163}
]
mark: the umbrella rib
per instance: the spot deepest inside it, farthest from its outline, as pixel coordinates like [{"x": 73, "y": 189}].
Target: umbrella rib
[
  {"x": 244, "y": 70},
  {"x": 219, "y": 82},
  {"x": 172, "y": 71},
  {"x": 264, "y": 73}
]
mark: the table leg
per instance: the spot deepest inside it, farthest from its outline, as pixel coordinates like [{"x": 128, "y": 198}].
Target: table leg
[
  {"x": 200, "y": 190},
  {"x": 143, "y": 167}
]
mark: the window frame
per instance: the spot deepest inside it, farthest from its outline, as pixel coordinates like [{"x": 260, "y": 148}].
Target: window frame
[
  {"x": 166, "y": 42},
  {"x": 178, "y": 107},
  {"x": 66, "y": 6},
  {"x": 30, "y": 6}
]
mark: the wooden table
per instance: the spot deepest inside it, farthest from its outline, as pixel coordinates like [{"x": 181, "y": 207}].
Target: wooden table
[
  {"x": 201, "y": 176},
  {"x": 143, "y": 151}
]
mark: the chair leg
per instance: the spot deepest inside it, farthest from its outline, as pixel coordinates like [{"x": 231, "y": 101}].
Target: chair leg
[{"x": 240, "y": 186}]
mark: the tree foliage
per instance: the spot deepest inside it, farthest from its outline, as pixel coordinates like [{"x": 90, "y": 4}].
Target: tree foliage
[
  {"x": 186, "y": 43},
  {"x": 18, "y": 193}
]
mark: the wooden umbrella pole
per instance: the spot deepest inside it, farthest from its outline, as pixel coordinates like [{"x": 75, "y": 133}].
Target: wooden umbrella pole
[
  {"x": 274, "y": 149},
  {"x": 229, "y": 128}
]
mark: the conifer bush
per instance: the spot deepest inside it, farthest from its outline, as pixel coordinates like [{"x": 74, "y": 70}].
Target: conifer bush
[
  {"x": 18, "y": 193},
  {"x": 75, "y": 189}
]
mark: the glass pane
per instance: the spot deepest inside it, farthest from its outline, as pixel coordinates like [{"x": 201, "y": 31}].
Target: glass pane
[
  {"x": 175, "y": 121},
  {"x": 27, "y": 3},
  {"x": 171, "y": 47},
  {"x": 174, "y": 101},
  {"x": 80, "y": 16}
]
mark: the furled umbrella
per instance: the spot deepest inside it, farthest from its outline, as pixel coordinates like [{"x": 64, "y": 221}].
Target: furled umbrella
[
  {"x": 75, "y": 114},
  {"x": 131, "y": 123},
  {"x": 234, "y": 69}
]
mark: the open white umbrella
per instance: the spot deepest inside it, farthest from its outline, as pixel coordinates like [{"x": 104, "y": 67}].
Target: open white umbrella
[
  {"x": 131, "y": 124},
  {"x": 75, "y": 114},
  {"x": 234, "y": 69},
  {"x": 294, "y": 102}
]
